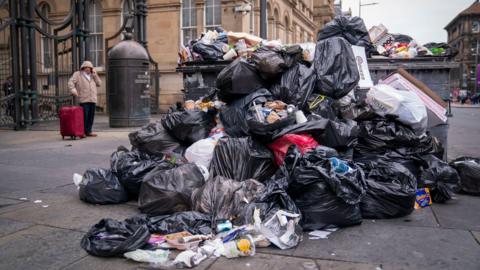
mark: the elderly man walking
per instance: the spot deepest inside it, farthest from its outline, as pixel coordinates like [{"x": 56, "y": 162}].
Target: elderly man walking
[{"x": 83, "y": 84}]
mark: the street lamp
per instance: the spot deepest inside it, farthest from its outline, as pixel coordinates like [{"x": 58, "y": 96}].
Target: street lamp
[{"x": 360, "y": 5}]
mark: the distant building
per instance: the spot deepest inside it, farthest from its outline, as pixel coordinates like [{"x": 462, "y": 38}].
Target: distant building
[
  {"x": 323, "y": 12},
  {"x": 464, "y": 35}
]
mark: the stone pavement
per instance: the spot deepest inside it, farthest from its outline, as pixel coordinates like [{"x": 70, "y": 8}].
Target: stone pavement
[{"x": 38, "y": 165}]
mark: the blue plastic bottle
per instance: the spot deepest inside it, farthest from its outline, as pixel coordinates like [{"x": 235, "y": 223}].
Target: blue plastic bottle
[{"x": 339, "y": 166}]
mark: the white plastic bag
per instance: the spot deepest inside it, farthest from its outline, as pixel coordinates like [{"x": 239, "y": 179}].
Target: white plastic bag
[
  {"x": 148, "y": 256},
  {"x": 201, "y": 152},
  {"x": 409, "y": 108}
]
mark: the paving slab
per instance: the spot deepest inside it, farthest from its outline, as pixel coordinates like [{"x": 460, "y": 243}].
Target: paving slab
[
  {"x": 8, "y": 226},
  {"x": 6, "y": 204},
  {"x": 40, "y": 247},
  {"x": 264, "y": 261},
  {"x": 429, "y": 248},
  {"x": 340, "y": 265},
  {"x": 461, "y": 213},
  {"x": 423, "y": 217},
  {"x": 69, "y": 213},
  {"x": 272, "y": 249},
  {"x": 91, "y": 262}
]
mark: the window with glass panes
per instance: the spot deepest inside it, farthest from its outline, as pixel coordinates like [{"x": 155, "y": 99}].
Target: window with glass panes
[
  {"x": 189, "y": 21},
  {"x": 95, "y": 27},
  {"x": 213, "y": 14},
  {"x": 46, "y": 43}
]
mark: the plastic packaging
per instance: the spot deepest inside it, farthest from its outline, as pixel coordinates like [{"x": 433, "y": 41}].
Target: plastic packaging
[
  {"x": 423, "y": 198},
  {"x": 280, "y": 146},
  {"x": 157, "y": 256},
  {"x": 283, "y": 230},
  {"x": 201, "y": 152},
  {"x": 407, "y": 106},
  {"x": 239, "y": 248}
]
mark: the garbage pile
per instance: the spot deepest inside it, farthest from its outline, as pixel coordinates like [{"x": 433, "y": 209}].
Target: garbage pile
[
  {"x": 284, "y": 145},
  {"x": 404, "y": 46}
]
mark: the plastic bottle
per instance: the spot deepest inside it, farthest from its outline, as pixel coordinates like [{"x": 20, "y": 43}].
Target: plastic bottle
[{"x": 339, "y": 166}]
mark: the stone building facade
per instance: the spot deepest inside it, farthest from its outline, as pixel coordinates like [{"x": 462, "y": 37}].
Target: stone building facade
[
  {"x": 464, "y": 35},
  {"x": 173, "y": 22}
]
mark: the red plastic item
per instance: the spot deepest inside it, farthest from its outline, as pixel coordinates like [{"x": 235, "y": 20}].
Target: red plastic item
[
  {"x": 71, "y": 122},
  {"x": 280, "y": 146}
]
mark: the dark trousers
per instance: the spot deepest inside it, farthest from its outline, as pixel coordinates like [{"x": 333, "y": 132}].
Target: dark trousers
[{"x": 88, "y": 115}]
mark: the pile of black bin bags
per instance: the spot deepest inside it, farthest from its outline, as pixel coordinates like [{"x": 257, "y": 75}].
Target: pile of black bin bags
[{"x": 356, "y": 165}]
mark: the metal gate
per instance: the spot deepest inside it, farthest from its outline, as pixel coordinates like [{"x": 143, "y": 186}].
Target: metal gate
[{"x": 38, "y": 55}]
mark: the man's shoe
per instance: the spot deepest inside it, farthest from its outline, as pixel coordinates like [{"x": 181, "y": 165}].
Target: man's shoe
[
  {"x": 91, "y": 135},
  {"x": 82, "y": 136}
]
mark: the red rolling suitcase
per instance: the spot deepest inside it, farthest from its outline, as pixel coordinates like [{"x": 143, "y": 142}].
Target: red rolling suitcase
[{"x": 71, "y": 122}]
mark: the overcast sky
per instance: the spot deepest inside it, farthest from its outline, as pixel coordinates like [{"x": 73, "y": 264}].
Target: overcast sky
[{"x": 423, "y": 20}]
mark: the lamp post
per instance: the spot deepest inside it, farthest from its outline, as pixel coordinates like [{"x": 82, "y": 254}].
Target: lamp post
[{"x": 360, "y": 5}]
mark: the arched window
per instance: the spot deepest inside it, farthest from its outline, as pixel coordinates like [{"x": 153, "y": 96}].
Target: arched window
[
  {"x": 276, "y": 25},
  {"x": 95, "y": 26},
  {"x": 46, "y": 43},
  {"x": 287, "y": 30},
  {"x": 213, "y": 14},
  {"x": 189, "y": 21}
]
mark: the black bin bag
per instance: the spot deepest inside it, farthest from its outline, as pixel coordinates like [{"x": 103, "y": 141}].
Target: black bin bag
[
  {"x": 234, "y": 115},
  {"x": 188, "y": 126},
  {"x": 132, "y": 166},
  {"x": 295, "y": 86},
  {"x": 226, "y": 198},
  {"x": 391, "y": 190},
  {"x": 441, "y": 179},
  {"x": 101, "y": 186},
  {"x": 353, "y": 29},
  {"x": 335, "y": 66},
  {"x": 242, "y": 158},
  {"x": 238, "y": 79},
  {"x": 469, "y": 170},
  {"x": 168, "y": 191},
  {"x": 324, "y": 196},
  {"x": 153, "y": 139},
  {"x": 191, "y": 221},
  {"x": 209, "y": 52},
  {"x": 111, "y": 238},
  {"x": 269, "y": 62}
]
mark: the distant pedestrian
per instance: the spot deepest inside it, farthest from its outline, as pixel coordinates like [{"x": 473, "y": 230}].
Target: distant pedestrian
[
  {"x": 7, "y": 91},
  {"x": 83, "y": 84}
]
